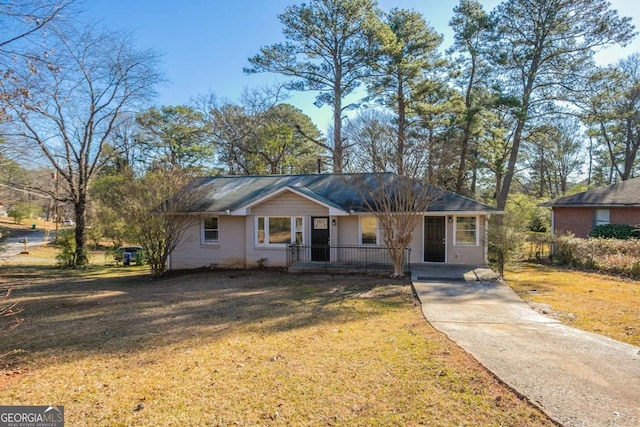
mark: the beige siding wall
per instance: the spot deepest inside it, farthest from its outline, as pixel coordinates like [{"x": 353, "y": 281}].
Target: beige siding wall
[
  {"x": 272, "y": 256},
  {"x": 349, "y": 234},
  {"x": 237, "y": 247},
  {"x": 228, "y": 253},
  {"x": 416, "y": 245},
  {"x": 289, "y": 204},
  {"x": 347, "y": 230},
  {"x": 286, "y": 204},
  {"x": 455, "y": 254},
  {"x": 462, "y": 254}
]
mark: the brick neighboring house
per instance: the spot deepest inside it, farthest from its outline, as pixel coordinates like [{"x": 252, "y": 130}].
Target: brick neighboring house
[{"x": 581, "y": 213}]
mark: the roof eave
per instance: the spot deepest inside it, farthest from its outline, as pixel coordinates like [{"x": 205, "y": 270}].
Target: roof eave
[
  {"x": 463, "y": 212},
  {"x": 592, "y": 205}
]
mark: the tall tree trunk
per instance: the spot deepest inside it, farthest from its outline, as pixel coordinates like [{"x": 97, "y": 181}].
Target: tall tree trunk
[
  {"x": 462, "y": 166},
  {"x": 498, "y": 185},
  {"x": 338, "y": 154},
  {"x": 80, "y": 209},
  {"x": 590, "y": 173},
  {"x": 517, "y": 136},
  {"x": 466, "y": 134},
  {"x": 474, "y": 173},
  {"x": 511, "y": 166},
  {"x": 401, "y": 126},
  {"x": 338, "y": 150},
  {"x": 614, "y": 164},
  {"x": 631, "y": 152}
]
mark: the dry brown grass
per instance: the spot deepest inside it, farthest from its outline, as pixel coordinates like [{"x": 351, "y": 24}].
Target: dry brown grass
[
  {"x": 593, "y": 302},
  {"x": 46, "y": 255},
  {"x": 8, "y": 223},
  {"x": 242, "y": 348}
]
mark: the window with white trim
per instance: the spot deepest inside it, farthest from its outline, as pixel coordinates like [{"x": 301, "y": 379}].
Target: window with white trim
[
  {"x": 299, "y": 230},
  {"x": 368, "y": 230},
  {"x": 603, "y": 217},
  {"x": 279, "y": 230},
  {"x": 466, "y": 233},
  {"x": 210, "y": 230}
]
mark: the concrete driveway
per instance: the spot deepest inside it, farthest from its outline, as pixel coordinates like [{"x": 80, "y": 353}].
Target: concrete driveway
[{"x": 576, "y": 377}]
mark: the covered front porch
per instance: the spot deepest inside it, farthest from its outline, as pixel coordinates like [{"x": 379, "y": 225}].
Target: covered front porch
[{"x": 343, "y": 258}]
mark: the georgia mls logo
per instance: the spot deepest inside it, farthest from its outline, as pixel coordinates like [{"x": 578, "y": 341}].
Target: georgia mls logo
[{"x": 31, "y": 416}]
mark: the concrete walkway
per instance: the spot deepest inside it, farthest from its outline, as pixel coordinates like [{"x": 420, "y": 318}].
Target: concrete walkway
[{"x": 576, "y": 377}]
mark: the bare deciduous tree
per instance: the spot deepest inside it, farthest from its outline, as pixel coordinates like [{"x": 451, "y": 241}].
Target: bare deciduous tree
[
  {"x": 24, "y": 21},
  {"x": 398, "y": 201},
  {"x": 154, "y": 207},
  {"x": 72, "y": 108}
]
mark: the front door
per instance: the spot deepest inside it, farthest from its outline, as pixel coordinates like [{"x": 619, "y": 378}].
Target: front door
[
  {"x": 320, "y": 238},
  {"x": 434, "y": 238}
]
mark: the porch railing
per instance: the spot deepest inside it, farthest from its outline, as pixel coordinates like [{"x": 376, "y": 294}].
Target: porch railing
[{"x": 343, "y": 257}]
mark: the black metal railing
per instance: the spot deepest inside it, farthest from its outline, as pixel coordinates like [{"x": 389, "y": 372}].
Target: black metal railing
[{"x": 343, "y": 257}]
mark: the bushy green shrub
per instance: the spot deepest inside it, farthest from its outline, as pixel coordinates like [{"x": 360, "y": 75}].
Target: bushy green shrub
[
  {"x": 140, "y": 258},
  {"x": 66, "y": 243},
  {"x": 21, "y": 211},
  {"x": 615, "y": 231},
  {"x": 527, "y": 214},
  {"x": 506, "y": 240},
  {"x": 508, "y": 233}
]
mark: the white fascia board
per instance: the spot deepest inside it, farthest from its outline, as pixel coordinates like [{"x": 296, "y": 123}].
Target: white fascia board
[{"x": 203, "y": 213}]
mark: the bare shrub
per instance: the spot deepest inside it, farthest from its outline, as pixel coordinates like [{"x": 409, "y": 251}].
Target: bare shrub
[
  {"x": 9, "y": 320},
  {"x": 609, "y": 256}
]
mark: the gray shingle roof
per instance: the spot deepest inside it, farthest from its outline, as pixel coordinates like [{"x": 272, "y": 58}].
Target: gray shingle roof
[
  {"x": 625, "y": 193},
  {"x": 229, "y": 193}
]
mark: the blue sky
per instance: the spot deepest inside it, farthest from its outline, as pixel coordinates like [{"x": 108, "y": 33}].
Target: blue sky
[{"x": 205, "y": 44}]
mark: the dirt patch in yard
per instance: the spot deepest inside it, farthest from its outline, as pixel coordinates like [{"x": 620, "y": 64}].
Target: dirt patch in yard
[{"x": 242, "y": 348}]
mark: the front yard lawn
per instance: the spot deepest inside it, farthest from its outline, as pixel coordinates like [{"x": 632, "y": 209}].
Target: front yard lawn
[
  {"x": 593, "y": 302},
  {"x": 228, "y": 348}
]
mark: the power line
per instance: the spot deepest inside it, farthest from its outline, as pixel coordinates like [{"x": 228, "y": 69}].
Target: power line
[{"x": 34, "y": 192}]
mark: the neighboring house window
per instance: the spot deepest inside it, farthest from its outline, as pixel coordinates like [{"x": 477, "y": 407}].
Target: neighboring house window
[
  {"x": 368, "y": 230},
  {"x": 274, "y": 230},
  {"x": 210, "y": 229},
  {"x": 466, "y": 233},
  {"x": 603, "y": 217}
]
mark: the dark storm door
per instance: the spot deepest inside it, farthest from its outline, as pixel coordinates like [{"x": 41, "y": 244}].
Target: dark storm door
[
  {"x": 320, "y": 238},
  {"x": 434, "y": 238}
]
